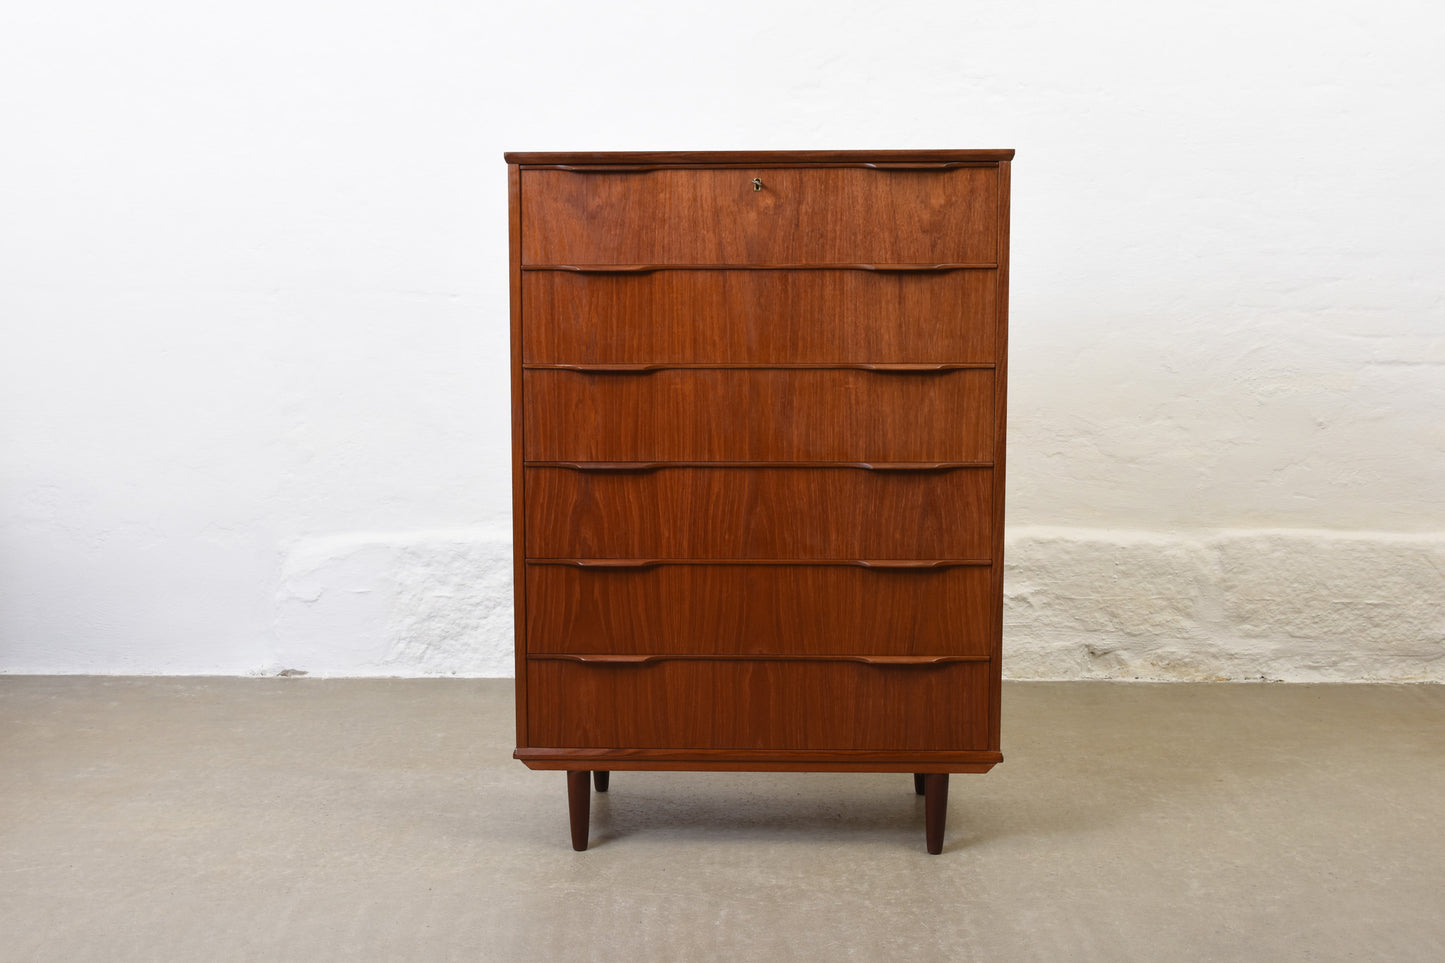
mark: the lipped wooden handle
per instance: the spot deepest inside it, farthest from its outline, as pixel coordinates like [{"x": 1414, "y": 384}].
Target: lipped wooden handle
[
  {"x": 607, "y": 268},
  {"x": 609, "y": 368},
  {"x": 913, "y": 165},
  {"x": 639, "y": 563},
  {"x": 601, "y": 168},
  {"x": 909, "y": 367},
  {"x": 911, "y": 268},
  {"x": 609, "y": 466},
  {"x": 906, "y": 564}
]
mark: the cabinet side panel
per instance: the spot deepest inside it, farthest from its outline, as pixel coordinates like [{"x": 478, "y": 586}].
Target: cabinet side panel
[
  {"x": 1000, "y": 431},
  {"x": 519, "y": 515}
]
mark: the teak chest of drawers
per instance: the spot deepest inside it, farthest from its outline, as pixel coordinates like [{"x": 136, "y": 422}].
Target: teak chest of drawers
[{"x": 758, "y": 423}]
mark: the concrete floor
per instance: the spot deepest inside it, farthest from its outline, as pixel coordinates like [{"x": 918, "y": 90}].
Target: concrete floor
[{"x": 296, "y": 819}]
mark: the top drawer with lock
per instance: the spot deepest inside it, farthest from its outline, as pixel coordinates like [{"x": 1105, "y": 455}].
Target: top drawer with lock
[{"x": 876, "y": 214}]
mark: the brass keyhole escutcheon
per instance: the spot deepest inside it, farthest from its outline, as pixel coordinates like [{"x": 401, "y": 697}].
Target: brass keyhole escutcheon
[{"x": 757, "y": 183}]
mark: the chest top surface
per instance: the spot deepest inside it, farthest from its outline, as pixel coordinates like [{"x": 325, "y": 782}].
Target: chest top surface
[{"x": 752, "y": 157}]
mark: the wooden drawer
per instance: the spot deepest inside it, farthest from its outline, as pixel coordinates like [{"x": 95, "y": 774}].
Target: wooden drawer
[
  {"x": 801, "y": 216},
  {"x": 774, "y": 513},
  {"x": 758, "y": 317},
  {"x": 759, "y": 414},
  {"x": 759, "y": 610},
  {"x": 758, "y": 705}
]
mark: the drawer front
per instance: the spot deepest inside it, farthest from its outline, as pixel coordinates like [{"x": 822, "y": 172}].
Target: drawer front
[
  {"x": 759, "y": 610},
  {"x": 801, "y": 216},
  {"x": 768, "y": 414},
  {"x": 772, "y": 513},
  {"x": 758, "y": 317},
  {"x": 758, "y": 705}
]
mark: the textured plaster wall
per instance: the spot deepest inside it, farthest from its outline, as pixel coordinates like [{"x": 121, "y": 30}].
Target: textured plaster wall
[{"x": 253, "y": 400}]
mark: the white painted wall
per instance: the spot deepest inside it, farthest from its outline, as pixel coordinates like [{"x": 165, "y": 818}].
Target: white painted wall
[{"x": 253, "y": 402}]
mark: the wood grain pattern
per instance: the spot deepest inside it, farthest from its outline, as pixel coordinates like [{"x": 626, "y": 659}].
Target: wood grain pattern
[
  {"x": 769, "y": 705},
  {"x": 758, "y": 317},
  {"x": 755, "y": 609},
  {"x": 737, "y": 547},
  {"x": 758, "y": 513},
  {"x": 579, "y": 807},
  {"x": 801, "y": 215},
  {"x": 935, "y": 792},
  {"x": 711, "y": 414}
]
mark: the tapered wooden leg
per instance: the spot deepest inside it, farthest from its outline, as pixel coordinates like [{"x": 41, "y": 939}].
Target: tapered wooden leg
[
  {"x": 935, "y": 809},
  {"x": 600, "y": 779},
  {"x": 579, "y": 801},
  {"x": 918, "y": 783}
]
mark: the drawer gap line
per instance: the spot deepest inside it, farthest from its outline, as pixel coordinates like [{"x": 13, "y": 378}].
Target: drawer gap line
[
  {"x": 647, "y": 466},
  {"x": 900, "y": 268},
  {"x": 879, "y": 367},
  {"x": 879, "y": 564},
  {"x": 887, "y": 661}
]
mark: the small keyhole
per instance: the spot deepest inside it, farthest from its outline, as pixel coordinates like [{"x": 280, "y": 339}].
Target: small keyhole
[{"x": 757, "y": 183}]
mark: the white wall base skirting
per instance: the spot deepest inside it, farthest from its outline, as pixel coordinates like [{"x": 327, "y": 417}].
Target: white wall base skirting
[
  {"x": 397, "y": 604},
  {"x": 1248, "y": 604},
  {"x": 1290, "y": 605}
]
